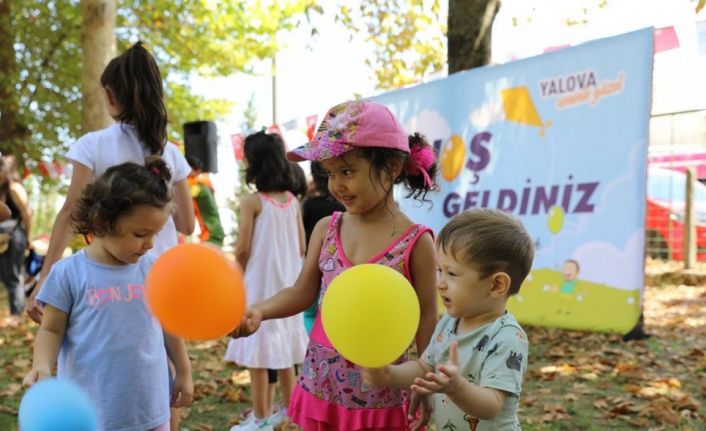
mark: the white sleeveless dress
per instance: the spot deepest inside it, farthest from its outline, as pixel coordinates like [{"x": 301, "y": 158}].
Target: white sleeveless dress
[{"x": 274, "y": 264}]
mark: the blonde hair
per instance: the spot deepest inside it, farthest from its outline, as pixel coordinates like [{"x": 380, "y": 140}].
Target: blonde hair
[{"x": 490, "y": 241}]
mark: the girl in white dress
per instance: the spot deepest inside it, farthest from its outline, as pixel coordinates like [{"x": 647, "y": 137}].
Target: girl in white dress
[{"x": 270, "y": 248}]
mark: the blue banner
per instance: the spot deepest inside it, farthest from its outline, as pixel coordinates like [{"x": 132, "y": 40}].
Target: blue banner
[{"x": 560, "y": 141}]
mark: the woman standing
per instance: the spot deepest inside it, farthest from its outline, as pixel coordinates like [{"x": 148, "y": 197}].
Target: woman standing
[{"x": 14, "y": 234}]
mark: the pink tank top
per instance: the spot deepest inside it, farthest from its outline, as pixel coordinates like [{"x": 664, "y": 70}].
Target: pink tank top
[{"x": 325, "y": 373}]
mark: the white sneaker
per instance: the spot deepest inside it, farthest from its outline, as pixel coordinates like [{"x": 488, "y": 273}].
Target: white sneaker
[
  {"x": 278, "y": 416},
  {"x": 248, "y": 418},
  {"x": 253, "y": 424}
]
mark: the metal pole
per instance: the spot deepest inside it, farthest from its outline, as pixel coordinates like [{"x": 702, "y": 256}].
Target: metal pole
[
  {"x": 274, "y": 88},
  {"x": 689, "y": 226}
]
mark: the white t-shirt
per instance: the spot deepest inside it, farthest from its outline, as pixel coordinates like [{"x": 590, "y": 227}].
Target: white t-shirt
[{"x": 118, "y": 144}]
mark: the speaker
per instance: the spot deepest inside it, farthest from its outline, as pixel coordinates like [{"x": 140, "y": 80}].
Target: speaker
[{"x": 201, "y": 142}]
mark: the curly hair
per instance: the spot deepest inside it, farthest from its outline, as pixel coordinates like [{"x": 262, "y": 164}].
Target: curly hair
[{"x": 119, "y": 190}]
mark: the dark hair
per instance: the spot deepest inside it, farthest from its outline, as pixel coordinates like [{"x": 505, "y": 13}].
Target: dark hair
[
  {"x": 120, "y": 189},
  {"x": 299, "y": 185},
  {"x": 380, "y": 159},
  {"x": 490, "y": 241},
  {"x": 134, "y": 81},
  {"x": 195, "y": 163},
  {"x": 320, "y": 178},
  {"x": 268, "y": 167}
]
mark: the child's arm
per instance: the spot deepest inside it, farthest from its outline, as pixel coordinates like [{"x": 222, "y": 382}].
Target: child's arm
[
  {"x": 292, "y": 300},
  {"x": 47, "y": 344},
  {"x": 250, "y": 207},
  {"x": 183, "y": 213},
  {"x": 481, "y": 402},
  {"x": 302, "y": 233},
  {"x": 423, "y": 271},
  {"x": 183, "y": 383},
  {"x": 400, "y": 376}
]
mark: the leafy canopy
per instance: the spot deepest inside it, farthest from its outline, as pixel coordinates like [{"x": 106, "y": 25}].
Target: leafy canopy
[{"x": 202, "y": 37}]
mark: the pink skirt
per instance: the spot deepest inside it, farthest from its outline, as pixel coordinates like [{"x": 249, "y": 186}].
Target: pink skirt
[{"x": 314, "y": 414}]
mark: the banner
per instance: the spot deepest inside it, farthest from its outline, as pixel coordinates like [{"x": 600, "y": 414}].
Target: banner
[
  {"x": 237, "y": 142},
  {"x": 560, "y": 141}
]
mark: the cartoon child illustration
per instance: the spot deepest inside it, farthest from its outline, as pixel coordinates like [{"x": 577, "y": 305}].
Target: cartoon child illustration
[{"x": 569, "y": 272}]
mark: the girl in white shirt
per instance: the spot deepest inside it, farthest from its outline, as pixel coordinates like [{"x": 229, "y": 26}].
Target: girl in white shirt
[{"x": 133, "y": 88}]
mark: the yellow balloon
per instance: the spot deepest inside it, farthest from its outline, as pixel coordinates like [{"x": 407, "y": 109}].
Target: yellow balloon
[
  {"x": 555, "y": 219},
  {"x": 370, "y": 314}
]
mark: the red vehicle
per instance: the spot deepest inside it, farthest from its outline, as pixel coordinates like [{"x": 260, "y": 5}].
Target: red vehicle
[{"x": 664, "y": 236}]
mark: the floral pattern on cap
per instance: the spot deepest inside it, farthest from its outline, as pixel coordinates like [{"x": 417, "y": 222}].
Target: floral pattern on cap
[
  {"x": 353, "y": 124},
  {"x": 335, "y": 133}
]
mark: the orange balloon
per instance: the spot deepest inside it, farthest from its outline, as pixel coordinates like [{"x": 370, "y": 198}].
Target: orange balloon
[{"x": 196, "y": 292}]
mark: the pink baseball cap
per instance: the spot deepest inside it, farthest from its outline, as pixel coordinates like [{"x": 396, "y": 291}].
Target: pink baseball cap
[{"x": 350, "y": 125}]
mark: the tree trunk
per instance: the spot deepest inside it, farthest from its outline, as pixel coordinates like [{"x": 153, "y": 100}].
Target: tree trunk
[
  {"x": 98, "y": 42},
  {"x": 470, "y": 24},
  {"x": 13, "y": 131}
]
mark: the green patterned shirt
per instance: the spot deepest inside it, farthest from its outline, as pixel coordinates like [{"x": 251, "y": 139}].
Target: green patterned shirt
[{"x": 493, "y": 356}]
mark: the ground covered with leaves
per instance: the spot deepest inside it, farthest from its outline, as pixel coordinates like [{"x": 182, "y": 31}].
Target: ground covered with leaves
[{"x": 576, "y": 380}]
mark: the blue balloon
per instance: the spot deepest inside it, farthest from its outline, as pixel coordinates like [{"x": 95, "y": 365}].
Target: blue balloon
[{"x": 57, "y": 405}]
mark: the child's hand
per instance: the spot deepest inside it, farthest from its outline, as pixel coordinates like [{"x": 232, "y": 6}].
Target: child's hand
[
  {"x": 183, "y": 390},
  {"x": 376, "y": 377},
  {"x": 35, "y": 375},
  {"x": 250, "y": 323},
  {"x": 32, "y": 306},
  {"x": 420, "y": 408},
  {"x": 445, "y": 380}
]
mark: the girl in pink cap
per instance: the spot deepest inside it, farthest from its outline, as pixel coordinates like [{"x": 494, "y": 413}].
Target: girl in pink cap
[{"x": 365, "y": 152}]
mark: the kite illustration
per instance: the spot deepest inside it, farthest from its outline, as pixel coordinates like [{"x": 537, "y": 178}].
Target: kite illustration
[{"x": 519, "y": 107}]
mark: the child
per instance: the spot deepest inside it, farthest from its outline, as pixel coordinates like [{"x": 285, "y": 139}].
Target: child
[
  {"x": 567, "y": 291},
  {"x": 15, "y": 233},
  {"x": 478, "y": 355},
  {"x": 364, "y": 151},
  {"x": 205, "y": 206},
  {"x": 133, "y": 89},
  {"x": 95, "y": 316},
  {"x": 270, "y": 247}
]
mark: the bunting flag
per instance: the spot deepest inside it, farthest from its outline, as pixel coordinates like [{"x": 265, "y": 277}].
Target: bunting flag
[
  {"x": 51, "y": 170},
  {"x": 311, "y": 126},
  {"x": 291, "y": 124},
  {"x": 274, "y": 129},
  {"x": 237, "y": 141},
  {"x": 665, "y": 39}
]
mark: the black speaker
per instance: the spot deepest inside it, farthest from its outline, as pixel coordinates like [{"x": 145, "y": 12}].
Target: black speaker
[{"x": 201, "y": 142}]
